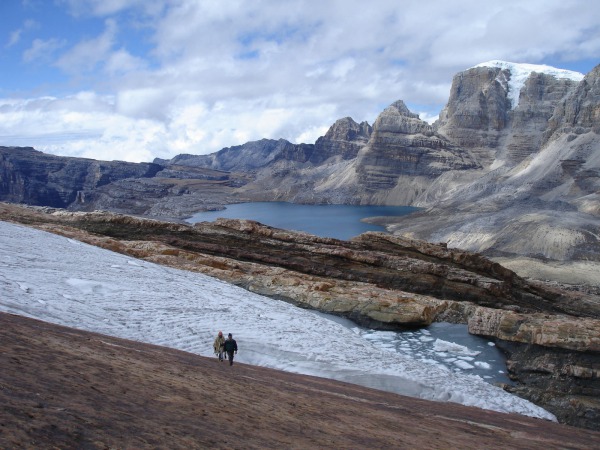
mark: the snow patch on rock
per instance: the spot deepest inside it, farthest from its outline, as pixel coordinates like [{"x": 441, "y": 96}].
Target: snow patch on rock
[{"x": 520, "y": 72}]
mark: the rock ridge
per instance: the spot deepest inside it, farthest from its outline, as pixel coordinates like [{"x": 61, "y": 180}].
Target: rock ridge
[{"x": 381, "y": 281}]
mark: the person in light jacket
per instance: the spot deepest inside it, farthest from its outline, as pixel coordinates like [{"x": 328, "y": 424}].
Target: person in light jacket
[
  {"x": 230, "y": 347},
  {"x": 218, "y": 345}
]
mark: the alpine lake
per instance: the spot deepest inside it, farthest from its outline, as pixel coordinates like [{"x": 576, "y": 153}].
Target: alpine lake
[{"x": 335, "y": 221}]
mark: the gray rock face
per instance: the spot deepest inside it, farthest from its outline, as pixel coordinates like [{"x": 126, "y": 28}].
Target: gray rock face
[
  {"x": 402, "y": 145},
  {"x": 580, "y": 112},
  {"x": 476, "y": 112},
  {"x": 541, "y": 198},
  {"x": 294, "y": 172},
  {"x": 30, "y": 176},
  {"x": 344, "y": 139},
  {"x": 480, "y": 114},
  {"x": 539, "y": 97},
  {"x": 247, "y": 157}
]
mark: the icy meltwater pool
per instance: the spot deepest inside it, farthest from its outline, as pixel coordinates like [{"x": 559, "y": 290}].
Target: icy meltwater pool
[{"x": 443, "y": 344}]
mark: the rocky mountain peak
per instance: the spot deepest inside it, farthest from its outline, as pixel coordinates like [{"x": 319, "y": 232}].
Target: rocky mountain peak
[
  {"x": 401, "y": 107},
  {"x": 343, "y": 139},
  {"x": 397, "y": 118},
  {"x": 499, "y": 110},
  {"x": 513, "y": 139},
  {"x": 347, "y": 129},
  {"x": 580, "y": 111},
  {"x": 514, "y": 76}
]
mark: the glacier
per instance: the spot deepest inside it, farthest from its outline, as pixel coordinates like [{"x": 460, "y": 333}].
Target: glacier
[{"x": 64, "y": 281}]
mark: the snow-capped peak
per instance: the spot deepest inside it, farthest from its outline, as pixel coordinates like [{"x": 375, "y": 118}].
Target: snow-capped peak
[{"x": 520, "y": 72}]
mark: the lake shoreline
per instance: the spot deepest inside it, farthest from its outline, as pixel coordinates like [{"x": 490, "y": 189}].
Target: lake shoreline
[{"x": 324, "y": 220}]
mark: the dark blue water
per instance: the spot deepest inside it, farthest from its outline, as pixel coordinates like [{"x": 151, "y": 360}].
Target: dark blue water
[
  {"x": 440, "y": 344},
  {"x": 336, "y": 221}
]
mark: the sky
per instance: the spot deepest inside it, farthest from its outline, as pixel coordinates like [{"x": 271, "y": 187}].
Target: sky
[
  {"x": 66, "y": 282},
  {"x": 136, "y": 80}
]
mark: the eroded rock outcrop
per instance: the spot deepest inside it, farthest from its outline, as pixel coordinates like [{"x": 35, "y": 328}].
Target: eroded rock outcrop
[
  {"x": 580, "y": 112},
  {"x": 403, "y": 156},
  {"x": 343, "y": 139},
  {"x": 500, "y": 111},
  {"x": 380, "y": 281},
  {"x": 539, "y": 196},
  {"x": 32, "y": 177}
]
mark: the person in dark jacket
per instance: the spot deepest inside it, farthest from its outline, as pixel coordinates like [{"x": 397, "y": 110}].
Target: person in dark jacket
[{"x": 230, "y": 347}]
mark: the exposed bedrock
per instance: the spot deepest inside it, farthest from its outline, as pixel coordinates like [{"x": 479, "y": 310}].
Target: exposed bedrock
[
  {"x": 380, "y": 281},
  {"x": 564, "y": 382},
  {"x": 554, "y": 358},
  {"x": 32, "y": 177}
]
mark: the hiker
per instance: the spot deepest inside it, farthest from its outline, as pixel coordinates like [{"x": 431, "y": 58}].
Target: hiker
[
  {"x": 230, "y": 347},
  {"x": 218, "y": 345}
]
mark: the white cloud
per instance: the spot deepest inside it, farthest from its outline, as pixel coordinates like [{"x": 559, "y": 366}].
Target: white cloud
[
  {"x": 87, "y": 54},
  {"x": 147, "y": 102},
  {"x": 122, "y": 62},
  {"x": 211, "y": 74},
  {"x": 15, "y": 36},
  {"x": 42, "y": 51}
]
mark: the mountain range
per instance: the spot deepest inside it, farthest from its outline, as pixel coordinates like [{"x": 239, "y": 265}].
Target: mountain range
[{"x": 510, "y": 169}]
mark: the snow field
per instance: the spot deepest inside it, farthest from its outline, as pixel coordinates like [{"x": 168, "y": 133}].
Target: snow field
[{"x": 63, "y": 281}]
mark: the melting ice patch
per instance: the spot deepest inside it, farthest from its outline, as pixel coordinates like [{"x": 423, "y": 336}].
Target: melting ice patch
[
  {"x": 456, "y": 349},
  {"x": 93, "y": 289},
  {"x": 448, "y": 346}
]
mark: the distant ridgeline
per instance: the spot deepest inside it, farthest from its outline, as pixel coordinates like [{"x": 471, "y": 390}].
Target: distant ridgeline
[{"x": 512, "y": 166}]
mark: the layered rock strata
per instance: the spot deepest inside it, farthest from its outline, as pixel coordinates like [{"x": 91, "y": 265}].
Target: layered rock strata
[
  {"x": 343, "y": 139},
  {"x": 380, "y": 281},
  {"x": 32, "y": 177},
  {"x": 402, "y": 150}
]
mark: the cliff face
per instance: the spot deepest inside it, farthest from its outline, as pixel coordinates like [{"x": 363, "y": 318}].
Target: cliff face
[
  {"x": 540, "y": 96},
  {"x": 580, "y": 112},
  {"x": 248, "y": 157},
  {"x": 344, "y": 139},
  {"x": 29, "y": 176},
  {"x": 476, "y": 112},
  {"x": 499, "y": 113},
  {"x": 539, "y": 198},
  {"x": 404, "y": 155}
]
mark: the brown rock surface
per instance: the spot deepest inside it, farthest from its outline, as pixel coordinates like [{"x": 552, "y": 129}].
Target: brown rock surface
[
  {"x": 65, "y": 388},
  {"x": 568, "y": 332}
]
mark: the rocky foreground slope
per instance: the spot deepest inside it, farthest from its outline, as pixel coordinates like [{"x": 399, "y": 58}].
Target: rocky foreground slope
[
  {"x": 551, "y": 336},
  {"x": 98, "y": 391}
]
